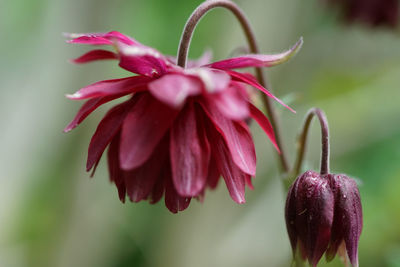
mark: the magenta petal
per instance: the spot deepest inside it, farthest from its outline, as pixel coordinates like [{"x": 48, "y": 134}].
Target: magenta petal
[
  {"x": 173, "y": 89},
  {"x": 213, "y": 80},
  {"x": 142, "y": 60},
  {"x": 116, "y": 174},
  {"x": 233, "y": 176},
  {"x": 173, "y": 200},
  {"x": 94, "y": 55},
  {"x": 100, "y": 38},
  {"x": 257, "y": 60},
  {"x": 88, "y": 108},
  {"x": 94, "y": 40},
  {"x": 237, "y": 138},
  {"x": 213, "y": 174},
  {"x": 144, "y": 126},
  {"x": 264, "y": 123},
  {"x": 106, "y": 130},
  {"x": 245, "y": 78},
  {"x": 232, "y": 103},
  {"x": 140, "y": 182},
  {"x": 158, "y": 189},
  {"x": 190, "y": 154},
  {"x": 112, "y": 87}
]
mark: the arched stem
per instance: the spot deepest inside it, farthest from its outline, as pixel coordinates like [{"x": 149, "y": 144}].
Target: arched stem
[
  {"x": 184, "y": 45},
  {"x": 324, "y": 140}
]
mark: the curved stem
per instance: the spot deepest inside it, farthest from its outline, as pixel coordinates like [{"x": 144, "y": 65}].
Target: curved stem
[
  {"x": 324, "y": 140},
  {"x": 184, "y": 44}
]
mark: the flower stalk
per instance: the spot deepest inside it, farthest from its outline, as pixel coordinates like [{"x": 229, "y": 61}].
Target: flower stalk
[
  {"x": 324, "y": 167},
  {"x": 183, "y": 50}
]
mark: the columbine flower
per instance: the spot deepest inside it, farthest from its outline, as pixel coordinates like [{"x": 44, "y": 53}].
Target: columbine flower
[
  {"x": 371, "y": 12},
  {"x": 181, "y": 129},
  {"x": 323, "y": 214}
]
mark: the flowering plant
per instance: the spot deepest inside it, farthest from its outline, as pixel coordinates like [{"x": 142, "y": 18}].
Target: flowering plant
[{"x": 182, "y": 128}]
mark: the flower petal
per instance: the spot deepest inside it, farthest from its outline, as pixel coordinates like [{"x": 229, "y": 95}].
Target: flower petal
[
  {"x": 232, "y": 103},
  {"x": 158, "y": 188},
  {"x": 257, "y": 60},
  {"x": 314, "y": 208},
  {"x": 291, "y": 214},
  {"x": 213, "y": 80},
  {"x": 88, "y": 108},
  {"x": 213, "y": 174},
  {"x": 112, "y": 87},
  {"x": 94, "y": 55},
  {"x": 190, "y": 153},
  {"x": 264, "y": 123},
  {"x": 237, "y": 138},
  {"x": 233, "y": 176},
  {"x": 249, "y": 79},
  {"x": 142, "y": 60},
  {"x": 173, "y": 200},
  {"x": 106, "y": 130},
  {"x": 348, "y": 221},
  {"x": 116, "y": 174},
  {"x": 144, "y": 126},
  {"x": 140, "y": 182},
  {"x": 100, "y": 38},
  {"x": 173, "y": 89}
]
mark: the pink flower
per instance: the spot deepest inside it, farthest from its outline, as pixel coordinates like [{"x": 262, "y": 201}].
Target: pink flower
[{"x": 181, "y": 129}]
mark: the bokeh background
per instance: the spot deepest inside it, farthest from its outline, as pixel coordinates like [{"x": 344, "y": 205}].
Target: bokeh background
[{"x": 51, "y": 212}]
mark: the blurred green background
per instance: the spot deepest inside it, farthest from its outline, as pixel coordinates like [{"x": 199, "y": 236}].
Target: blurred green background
[{"x": 53, "y": 214}]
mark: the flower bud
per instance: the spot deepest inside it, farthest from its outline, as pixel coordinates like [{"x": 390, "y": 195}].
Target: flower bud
[{"x": 322, "y": 213}]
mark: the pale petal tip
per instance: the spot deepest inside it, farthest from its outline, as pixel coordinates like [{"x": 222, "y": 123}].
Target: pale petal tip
[
  {"x": 73, "y": 96},
  {"x": 67, "y": 129},
  {"x": 290, "y": 53},
  {"x": 297, "y": 46},
  {"x": 71, "y": 35}
]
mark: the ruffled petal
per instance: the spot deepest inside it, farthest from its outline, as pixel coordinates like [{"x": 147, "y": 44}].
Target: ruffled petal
[
  {"x": 94, "y": 55},
  {"x": 173, "y": 200},
  {"x": 140, "y": 182},
  {"x": 108, "y": 127},
  {"x": 112, "y": 87},
  {"x": 250, "y": 80},
  {"x": 237, "y": 137},
  {"x": 100, "y": 38},
  {"x": 173, "y": 89},
  {"x": 213, "y": 80},
  {"x": 257, "y": 60},
  {"x": 134, "y": 56},
  {"x": 233, "y": 176},
  {"x": 213, "y": 174},
  {"x": 144, "y": 126},
  {"x": 116, "y": 174},
  {"x": 232, "y": 103},
  {"x": 190, "y": 153},
  {"x": 87, "y": 109},
  {"x": 142, "y": 60},
  {"x": 264, "y": 123}
]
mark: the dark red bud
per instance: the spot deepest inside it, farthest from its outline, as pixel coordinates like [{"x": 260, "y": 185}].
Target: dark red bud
[{"x": 323, "y": 211}]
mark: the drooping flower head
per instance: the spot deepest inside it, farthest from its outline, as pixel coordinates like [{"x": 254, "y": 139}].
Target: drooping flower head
[
  {"x": 181, "y": 129},
  {"x": 324, "y": 215}
]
